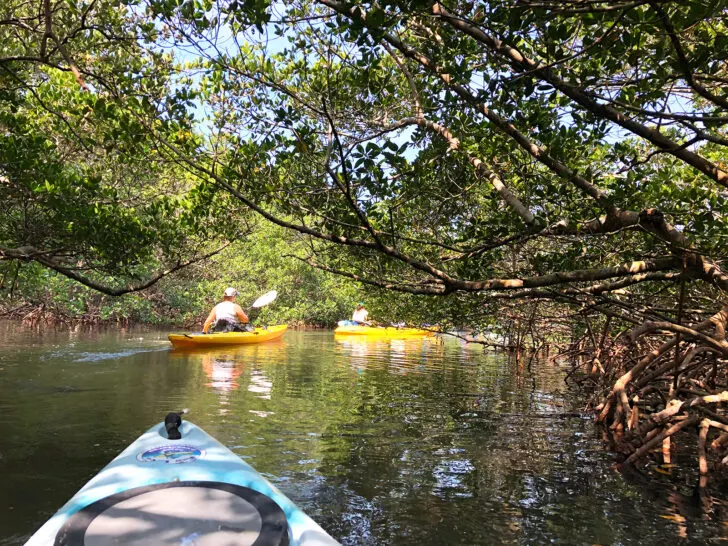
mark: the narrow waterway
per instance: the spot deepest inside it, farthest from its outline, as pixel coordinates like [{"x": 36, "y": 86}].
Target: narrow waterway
[{"x": 381, "y": 442}]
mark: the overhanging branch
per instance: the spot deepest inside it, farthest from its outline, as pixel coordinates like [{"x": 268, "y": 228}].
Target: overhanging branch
[{"x": 32, "y": 254}]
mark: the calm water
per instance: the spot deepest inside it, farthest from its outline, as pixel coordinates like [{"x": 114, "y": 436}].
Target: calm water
[{"x": 390, "y": 442}]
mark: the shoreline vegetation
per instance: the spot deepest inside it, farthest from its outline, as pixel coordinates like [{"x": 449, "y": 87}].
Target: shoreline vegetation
[{"x": 40, "y": 315}]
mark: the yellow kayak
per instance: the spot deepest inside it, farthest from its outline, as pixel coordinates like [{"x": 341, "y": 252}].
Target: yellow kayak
[
  {"x": 382, "y": 332},
  {"x": 259, "y": 335}
]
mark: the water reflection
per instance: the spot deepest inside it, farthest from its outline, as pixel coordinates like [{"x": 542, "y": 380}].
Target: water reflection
[
  {"x": 221, "y": 373},
  {"x": 260, "y": 385},
  {"x": 356, "y": 350},
  {"x": 381, "y": 441},
  {"x": 226, "y": 367},
  {"x": 400, "y": 356}
]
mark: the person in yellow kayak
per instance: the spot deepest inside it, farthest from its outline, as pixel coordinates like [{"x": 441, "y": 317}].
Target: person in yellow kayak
[
  {"x": 361, "y": 315},
  {"x": 227, "y": 315}
]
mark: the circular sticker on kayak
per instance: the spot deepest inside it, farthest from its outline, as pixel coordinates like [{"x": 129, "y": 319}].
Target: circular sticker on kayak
[{"x": 171, "y": 454}]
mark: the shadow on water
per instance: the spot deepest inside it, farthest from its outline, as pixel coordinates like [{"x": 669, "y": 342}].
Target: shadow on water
[{"x": 413, "y": 441}]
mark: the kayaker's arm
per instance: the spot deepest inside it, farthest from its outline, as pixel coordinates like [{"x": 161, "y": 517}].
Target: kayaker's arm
[
  {"x": 210, "y": 319},
  {"x": 241, "y": 314}
]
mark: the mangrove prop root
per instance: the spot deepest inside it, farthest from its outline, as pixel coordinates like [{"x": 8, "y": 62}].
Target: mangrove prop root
[
  {"x": 720, "y": 442},
  {"x": 666, "y": 451},
  {"x": 702, "y": 437},
  {"x": 660, "y": 437},
  {"x": 661, "y": 382}
]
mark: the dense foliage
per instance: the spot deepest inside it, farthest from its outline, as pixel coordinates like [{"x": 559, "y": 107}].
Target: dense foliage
[
  {"x": 83, "y": 187},
  {"x": 305, "y": 296}
]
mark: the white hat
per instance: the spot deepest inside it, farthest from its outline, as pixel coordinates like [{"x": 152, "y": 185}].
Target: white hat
[{"x": 230, "y": 292}]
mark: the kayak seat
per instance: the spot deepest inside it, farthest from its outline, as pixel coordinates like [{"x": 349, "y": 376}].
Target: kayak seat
[
  {"x": 181, "y": 513},
  {"x": 223, "y": 326}
]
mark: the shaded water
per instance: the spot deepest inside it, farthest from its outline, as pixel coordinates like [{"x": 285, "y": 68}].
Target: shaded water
[{"x": 381, "y": 442}]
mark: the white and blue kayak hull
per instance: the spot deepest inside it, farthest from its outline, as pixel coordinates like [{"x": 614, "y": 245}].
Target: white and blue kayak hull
[{"x": 191, "y": 491}]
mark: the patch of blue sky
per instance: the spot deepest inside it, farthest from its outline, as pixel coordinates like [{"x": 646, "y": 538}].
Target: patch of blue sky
[{"x": 221, "y": 39}]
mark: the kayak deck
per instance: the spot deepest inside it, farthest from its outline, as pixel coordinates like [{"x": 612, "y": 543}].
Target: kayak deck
[
  {"x": 259, "y": 335},
  {"x": 188, "y": 491},
  {"x": 380, "y": 332}
]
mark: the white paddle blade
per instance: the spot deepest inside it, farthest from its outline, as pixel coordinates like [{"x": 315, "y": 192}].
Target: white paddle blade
[{"x": 265, "y": 299}]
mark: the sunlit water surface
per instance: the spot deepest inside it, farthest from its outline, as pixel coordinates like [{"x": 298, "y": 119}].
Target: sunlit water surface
[{"x": 381, "y": 442}]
